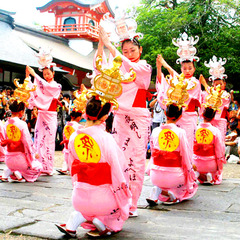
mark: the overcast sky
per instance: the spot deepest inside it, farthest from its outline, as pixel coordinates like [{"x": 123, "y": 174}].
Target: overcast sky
[{"x": 27, "y": 14}]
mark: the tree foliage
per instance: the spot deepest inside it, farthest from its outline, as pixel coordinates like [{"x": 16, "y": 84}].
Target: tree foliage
[{"x": 216, "y": 23}]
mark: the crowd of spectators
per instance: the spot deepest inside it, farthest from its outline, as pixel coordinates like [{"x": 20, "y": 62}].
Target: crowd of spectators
[{"x": 65, "y": 106}]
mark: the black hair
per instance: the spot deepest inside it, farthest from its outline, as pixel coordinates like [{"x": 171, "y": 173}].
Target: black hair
[
  {"x": 94, "y": 109},
  {"x": 209, "y": 113},
  {"x": 134, "y": 41},
  {"x": 109, "y": 122},
  {"x": 233, "y": 125},
  {"x": 51, "y": 69},
  {"x": 238, "y": 131},
  {"x": 75, "y": 114},
  {"x": 17, "y": 107},
  {"x": 66, "y": 95},
  {"x": 173, "y": 112},
  {"x": 188, "y": 61}
]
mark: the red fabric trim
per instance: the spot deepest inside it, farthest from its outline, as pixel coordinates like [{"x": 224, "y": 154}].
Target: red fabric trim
[
  {"x": 13, "y": 146},
  {"x": 53, "y": 105},
  {"x": 224, "y": 113},
  {"x": 167, "y": 159},
  {"x": 140, "y": 99},
  {"x": 92, "y": 173},
  {"x": 192, "y": 105},
  {"x": 203, "y": 149}
]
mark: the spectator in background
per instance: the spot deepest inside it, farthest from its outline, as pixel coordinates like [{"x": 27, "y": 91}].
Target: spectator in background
[
  {"x": 32, "y": 121},
  {"x": 231, "y": 142},
  {"x": 234, "y": 105},
  {"x": 67, "y": 105},
  {"x": 158, "y": 114}
]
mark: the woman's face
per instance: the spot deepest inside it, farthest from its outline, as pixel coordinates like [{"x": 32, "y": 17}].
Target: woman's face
[
  {"x": 48, "y": 75},
  {"x": 219, "y": 82},
  {"x": 188, "y": 69},
  {"x": 131, "y": 51}
]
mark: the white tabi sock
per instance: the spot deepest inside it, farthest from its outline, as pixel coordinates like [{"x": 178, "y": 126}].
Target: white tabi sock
[
  {"x": 197, "y": 174},
  {"x": 6, "y": 173},
  {"x": 156, "y": 191},
  {"x": 100, "y": 226},
  {"x": 171, "y": 195},
  {"x": 75, "y": 220},
  {"x": 18, "y": 175}
]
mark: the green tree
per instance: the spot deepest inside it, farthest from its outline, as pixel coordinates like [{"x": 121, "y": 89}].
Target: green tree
[{"x": 216, "y": 23}]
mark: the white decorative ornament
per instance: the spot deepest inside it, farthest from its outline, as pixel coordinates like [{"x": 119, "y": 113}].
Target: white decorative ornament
[
  {"x": 216, "y": 68},
  {"x": 121, "y": 27},
  {"x": 45, "y": 58},
  {"x": 186, "y": 50}
]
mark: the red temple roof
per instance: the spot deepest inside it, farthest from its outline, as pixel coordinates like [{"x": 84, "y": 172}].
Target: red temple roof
[{"x": 99, "y": 6}]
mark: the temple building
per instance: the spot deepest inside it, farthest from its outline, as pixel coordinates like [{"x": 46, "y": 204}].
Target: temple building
[{"x": 73, "y": 40}]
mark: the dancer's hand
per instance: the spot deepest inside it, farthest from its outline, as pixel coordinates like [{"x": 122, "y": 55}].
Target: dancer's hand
[
  {"x": 203, "y": 82},
  {"x": 103, "y": 36},
  {"x": 159, "y": 61},
  {"x": 29, "y": 70}
]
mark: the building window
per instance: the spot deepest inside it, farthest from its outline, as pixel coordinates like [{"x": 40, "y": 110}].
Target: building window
[
  {"x": 69, "y": 21},
  {"x": 91, "y": 22},
  {"x": 6, "y": 76}
]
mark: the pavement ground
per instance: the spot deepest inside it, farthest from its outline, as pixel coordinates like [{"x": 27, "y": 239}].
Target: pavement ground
[{"x": 29, "y": 211}]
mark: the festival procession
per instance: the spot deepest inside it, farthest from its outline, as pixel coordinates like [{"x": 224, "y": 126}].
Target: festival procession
[{"x": 116, "y": 132}]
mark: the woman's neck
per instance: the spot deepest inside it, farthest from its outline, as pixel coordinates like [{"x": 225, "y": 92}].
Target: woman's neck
[
  {"x": 206, "y": 121},
  {"x": 15, "y": 115},
  {"x": 90, "y": 123},
  {"x": 171, "y": 121}
]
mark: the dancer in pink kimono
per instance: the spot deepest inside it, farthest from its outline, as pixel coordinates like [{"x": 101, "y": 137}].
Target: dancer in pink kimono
[
  {"x": 100, "y": 194},
  {"x": 218, "y": 78},
  {"x": 45, "y": 98},
  {"x": 69, "y": 128},
  {"x": 186, "y": 52},
  {"x": 170, "y": 169},
  {"x": 2, "y": 149},
  {"x": 131, "y": 122},
  {"x": 20, "y": 157},
  {"x": 209, "y": 150}
]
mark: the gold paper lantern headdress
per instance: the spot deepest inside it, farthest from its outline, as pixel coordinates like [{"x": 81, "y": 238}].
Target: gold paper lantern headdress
[
  {"x": 214, "y": 99},
  {"x": 107, "y": 84},
  {"x": 22, "y": 92},
  {"x": 177, "y": 93}
]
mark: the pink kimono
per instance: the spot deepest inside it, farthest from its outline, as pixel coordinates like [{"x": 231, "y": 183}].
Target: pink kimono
[
  {"x": 209, "y": 152},
  {"x": 131, "y": 124},
  {"x": 20, "y": 154},
  {"x": 2, "y": 149},
  {"x": 189, "y": 118},
  {"x": 170, "y": 168},
  {"x": 45, "y": 98},
  {"x": 73, "y": 126},
  {"x": 101, "y": 185},
  {"x": 220, "y": 119}
]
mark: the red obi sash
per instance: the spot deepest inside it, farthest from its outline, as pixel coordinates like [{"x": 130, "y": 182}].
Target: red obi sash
[
  {"x": 140, "y": 99},
  {"x": 92, "y": 173},
  {"x": 192, "y": 105},
  {"x": 204, "y": 149},
  {"x": 224, "y": 113},
  {"x": 13, "y": 146},
  {"x": 167, "y": 159},
  {"x": 53, "y": 105}
]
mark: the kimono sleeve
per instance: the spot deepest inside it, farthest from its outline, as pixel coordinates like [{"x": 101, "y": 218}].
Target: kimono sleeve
[
  {"x": 28, "y": 144},
  {"x": 142, "y": 68},
  {"x": 219, "y": 149},
  {"x": 120, "y": 188}
]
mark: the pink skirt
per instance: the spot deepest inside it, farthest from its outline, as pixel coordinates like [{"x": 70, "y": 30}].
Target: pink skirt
[
  {"x": 16, "y": 161},
  {"x": 93, "y": 201}
]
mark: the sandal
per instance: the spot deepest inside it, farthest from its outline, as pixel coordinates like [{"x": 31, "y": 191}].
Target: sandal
[{"x": 62, "y": 228}]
